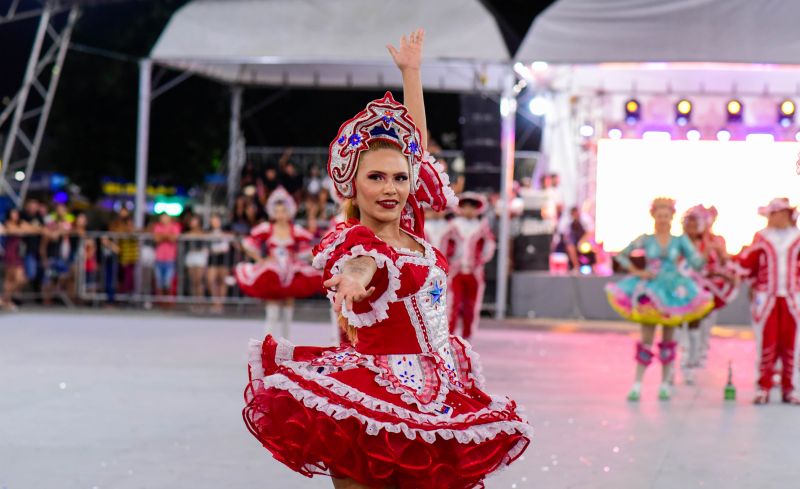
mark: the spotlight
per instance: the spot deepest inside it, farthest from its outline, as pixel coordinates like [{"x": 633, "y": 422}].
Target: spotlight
[
  {"x": 586, "y": 131},
  {"x": 735, "y": 109},
  {"x": 723, "y": 135},
  {"x": 19, "y": 176},
  {"x": 632, "y": 111},
  {"x": 614, "y": 133},
  {"x": 693, "y": 135},
  {"x": 683, "y": 111},
  {"x": 538, "y": 106},
  {"x": 787, "y": 108},
  {"x": 786, "y": 113},
  {"x": 797, "y": 136},
  {"x": 759, "y": 137}
]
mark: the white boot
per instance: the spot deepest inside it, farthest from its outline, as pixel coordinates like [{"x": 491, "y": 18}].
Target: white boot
[
  {"x": 286, "y": 320},
  {"x": 695, "y": 347},
  {"x": 273, "y": 312}
]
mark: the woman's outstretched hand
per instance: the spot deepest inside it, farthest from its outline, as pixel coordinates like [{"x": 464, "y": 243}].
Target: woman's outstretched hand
[
  {"x": 347, "y": 290},
  {"x": 409, "y": 55}
]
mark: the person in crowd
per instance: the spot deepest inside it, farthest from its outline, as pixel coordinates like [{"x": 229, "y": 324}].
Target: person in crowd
[
  {"x": 14, "y": 230},
  {"x": 239, "y": 223},
  {"x": 572, "y": 230},
  {"x": 403, "y": 406},
  {"x": 437, "y": 224},
  {"x": 661, "y": 293},
  {"x": 219, "y": 259},
  {"x": 109, "y": 256},
  {"x": 282, "y": 274},
  {"x": 469, "y": 244},
  {"x": 165, "y": 234},
  {"x": 269, "y": 181},
  {"x": 55, "y": 252},
  {"x": 313, "y": 183},
  {"x": 292, "y": 181},
  {"x": 195, "y": 256},
  {"x": 32, "y": 241},
  {"x": 770, "y": 266},
  {"x": 128, "y": 243}
]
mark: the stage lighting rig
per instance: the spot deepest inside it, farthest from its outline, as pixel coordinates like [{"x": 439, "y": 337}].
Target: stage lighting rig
[
  {"x": 786, "y": 113},
  {"x": 683, "y": 112},
  {"x": 735, "y": 109},
  {"x": 633, "y": 112}
]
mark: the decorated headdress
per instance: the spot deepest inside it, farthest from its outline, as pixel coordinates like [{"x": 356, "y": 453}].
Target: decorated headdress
[
  {"x": 280, "y": 196},
  {"x": 473, "y": 197},
  {"x": 662, "y": 202},
  {"x": 700, "y": 213},
  {"x": 775, "y": 205},
  {"x": 387, "y": 120}
]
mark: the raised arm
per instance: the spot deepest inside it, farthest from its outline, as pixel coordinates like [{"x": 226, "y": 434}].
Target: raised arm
[
  {"x": 349, "y": 286},
  {"x": 408, "y": 58}
]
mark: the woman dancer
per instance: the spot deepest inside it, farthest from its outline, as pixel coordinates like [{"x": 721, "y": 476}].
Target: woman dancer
[
  {"x": 404, "y": 407},
  {"x": 716, "y": 277},
  {"x": 283, "y": 274},
  {"x": 659, "y": 294}
]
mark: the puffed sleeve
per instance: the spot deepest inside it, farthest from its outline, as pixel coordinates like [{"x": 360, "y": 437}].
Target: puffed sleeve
[
  {"x": 624, "y": 256},
  {"x": 746, "y": 263},
  {"x": 302, "y": 240},
  {"x": 688, "y": 250},
  {"x": 258, "y": 235},
  {"x": 349, "y": 242}
]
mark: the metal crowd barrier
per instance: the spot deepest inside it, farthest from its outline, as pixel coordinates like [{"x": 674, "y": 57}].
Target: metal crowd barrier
[{"x": 108, "y": 267}]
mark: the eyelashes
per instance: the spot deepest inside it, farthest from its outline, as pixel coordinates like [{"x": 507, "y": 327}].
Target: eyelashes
[{"x": 378, "y": 177}]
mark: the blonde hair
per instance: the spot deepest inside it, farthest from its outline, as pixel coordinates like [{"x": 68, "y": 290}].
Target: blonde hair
[
  {"x": 662, "y": 203},
  {"x": 351, "y": 211}
]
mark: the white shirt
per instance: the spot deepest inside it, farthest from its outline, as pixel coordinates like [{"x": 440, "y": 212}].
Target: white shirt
[{"x": 781, "y": 240}]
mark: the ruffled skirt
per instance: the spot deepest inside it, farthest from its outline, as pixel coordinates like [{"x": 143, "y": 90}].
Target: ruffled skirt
[
  {"x": 336, "y": 412},
  {"x": 268, "y": 281},
  {"x": 669, "y": 299}
]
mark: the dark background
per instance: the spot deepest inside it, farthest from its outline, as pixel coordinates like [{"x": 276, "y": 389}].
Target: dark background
[{"x": 92, "y": 128}]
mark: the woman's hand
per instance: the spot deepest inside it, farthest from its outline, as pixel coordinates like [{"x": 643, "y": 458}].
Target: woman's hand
[
  {"x": 409, "y": 55},
  {"x": 347, "y": 290}
]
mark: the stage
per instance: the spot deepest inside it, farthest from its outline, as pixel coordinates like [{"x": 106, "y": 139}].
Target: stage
[
  {"x": 540, "y": 294},
  {"x": 148, "y": 400}
]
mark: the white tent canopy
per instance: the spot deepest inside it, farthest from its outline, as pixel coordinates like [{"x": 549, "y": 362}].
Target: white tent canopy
[
  {"x": 333, "y": 43},
  {"x": 636, "y": 47},
  {"x": 723, "y": 31}
]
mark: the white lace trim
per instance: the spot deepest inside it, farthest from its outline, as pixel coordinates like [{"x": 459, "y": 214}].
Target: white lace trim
[
  {"x": 322, "y": 258},
  {"x": 449, "y": 194},
  {"x": 284, "y": 352},
  {"x": 476, "y": 373},
  {"x": 254, "y": 359},
  {"x": 256, "y": 367},
  {"x": 379, "y": 305},
  {"x": 473, "y": 434},
  {"x": 405, "y": 394}
]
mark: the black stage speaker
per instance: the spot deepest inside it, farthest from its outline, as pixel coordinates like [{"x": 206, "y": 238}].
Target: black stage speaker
[
  {"x": 480, "y": 136},
  {"x": 532, "y": 252}
]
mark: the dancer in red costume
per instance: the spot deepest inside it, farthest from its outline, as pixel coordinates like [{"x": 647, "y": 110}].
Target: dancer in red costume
[
  {"x": 404, "y": 407},
  {"x": 469, "y": 245},
  {"x": 717, "y": 276},
  {"x": 770, "y": 265},
  {"x": 283, "y": 273}
]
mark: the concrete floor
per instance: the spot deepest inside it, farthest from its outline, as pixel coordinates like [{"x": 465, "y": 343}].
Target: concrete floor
[{"x": 130, "y": 401}]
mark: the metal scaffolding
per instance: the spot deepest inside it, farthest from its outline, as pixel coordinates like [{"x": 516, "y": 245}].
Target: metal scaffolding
[{"x": 29, "y": 109}]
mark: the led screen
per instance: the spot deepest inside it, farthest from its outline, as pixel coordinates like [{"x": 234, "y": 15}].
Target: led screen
[{"x": 735, "y": 176}]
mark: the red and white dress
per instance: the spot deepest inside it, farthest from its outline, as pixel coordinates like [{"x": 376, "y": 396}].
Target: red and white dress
[
  {"x": 714, "y": 275},
  {"x": 771, "y": 265},
  {"x": 405, "y": 406},
  {"x": 469, "y": 245},
  {"x": 284, "y": 274}
]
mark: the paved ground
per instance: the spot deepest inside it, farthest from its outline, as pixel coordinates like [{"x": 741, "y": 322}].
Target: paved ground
[{"x": 146, "y": 401}]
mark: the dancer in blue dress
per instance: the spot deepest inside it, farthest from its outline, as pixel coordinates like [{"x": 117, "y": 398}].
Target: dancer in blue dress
[{"x": 660, "y": 294}]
